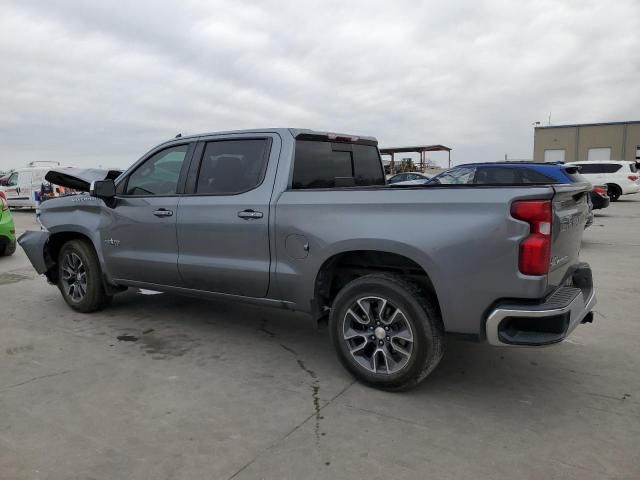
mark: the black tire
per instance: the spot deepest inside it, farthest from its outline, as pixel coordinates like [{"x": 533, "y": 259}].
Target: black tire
[
  {"x": 93, "y": 296},
  {"x": 614, "y": 192},
  {"x": 425, "y": 326},
  {"x": 8, "y": 249}
]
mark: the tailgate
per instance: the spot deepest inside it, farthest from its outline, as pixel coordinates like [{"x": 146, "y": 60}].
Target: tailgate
[{"x": 571, "y": 209}]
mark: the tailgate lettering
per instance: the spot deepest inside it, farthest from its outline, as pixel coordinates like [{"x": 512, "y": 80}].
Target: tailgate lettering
[{"x": 572, "y": 221}]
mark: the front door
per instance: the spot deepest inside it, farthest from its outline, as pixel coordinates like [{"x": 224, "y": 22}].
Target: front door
[
  {"x": 11, "y": 190},
  {"x": 139, "y": 240},
  {"x": 223, "y": 221},
  {"x": 18, "y": 189}
]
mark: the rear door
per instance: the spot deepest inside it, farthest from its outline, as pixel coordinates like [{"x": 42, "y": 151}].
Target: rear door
[
  {"x": 139, "y": 237},
  {"x": 223, "y": 221}
]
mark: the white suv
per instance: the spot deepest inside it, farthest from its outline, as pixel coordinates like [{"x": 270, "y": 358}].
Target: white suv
[{"x": 622, "y": 177}]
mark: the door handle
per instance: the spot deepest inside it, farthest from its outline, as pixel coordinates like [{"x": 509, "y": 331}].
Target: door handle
[
  {"x": 248, "y": 214},
  {"x": 163, "y": 212}
]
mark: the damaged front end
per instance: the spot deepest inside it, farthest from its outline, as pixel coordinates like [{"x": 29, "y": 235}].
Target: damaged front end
[
  {"x": 57, "y": 215},
  {"x": 80, "y": 179},
  {"x": 33, "y": 243}
]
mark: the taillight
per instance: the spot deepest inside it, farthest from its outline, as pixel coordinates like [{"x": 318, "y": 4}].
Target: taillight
[
  {"x": 633, "y": 178},
  {"x": 600, "y": 190},
  {"x": 535, "y": 250},
  {"x": 3, "y": 204}
]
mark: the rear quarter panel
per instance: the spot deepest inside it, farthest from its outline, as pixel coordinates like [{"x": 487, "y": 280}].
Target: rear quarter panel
[{"x": 464, "y": 238}]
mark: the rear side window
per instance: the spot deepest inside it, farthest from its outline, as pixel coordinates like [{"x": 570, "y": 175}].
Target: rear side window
[
  {"x": 588, "y": 168},
  {"x": 611, "y": 167},
  {"x": 633, "y": 167},
  {"x": 532, "y": 176},
  {"x": 232, "y": 166},
  {"x": 497, "y": 176},
  {"x": 320, "y": 164},
  {"x": 456, "y": 176}
]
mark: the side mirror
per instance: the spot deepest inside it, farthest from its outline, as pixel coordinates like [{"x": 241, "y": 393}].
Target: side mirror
[{"x": 104, "y": 189}]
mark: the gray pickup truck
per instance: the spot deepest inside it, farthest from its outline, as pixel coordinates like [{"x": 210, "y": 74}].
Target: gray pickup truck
[{"x": 304, "y": 220}]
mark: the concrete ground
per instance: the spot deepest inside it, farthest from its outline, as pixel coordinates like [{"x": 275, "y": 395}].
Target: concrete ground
[{"x": 162, "y": 387}]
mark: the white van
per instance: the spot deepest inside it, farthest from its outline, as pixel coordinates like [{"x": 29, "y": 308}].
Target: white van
[
  {"x": 24, "y": 184},
  {"x": 621, "y": 176}
]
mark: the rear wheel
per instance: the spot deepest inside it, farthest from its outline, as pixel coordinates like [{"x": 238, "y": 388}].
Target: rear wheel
[
  {"x": 385, "y": 331},
  {"x": 80, "y": 277},
  {"x": 614, "y": 192}
]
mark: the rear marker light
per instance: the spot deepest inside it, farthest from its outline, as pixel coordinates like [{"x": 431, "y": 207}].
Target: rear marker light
[{"x": 535, "y": 250}]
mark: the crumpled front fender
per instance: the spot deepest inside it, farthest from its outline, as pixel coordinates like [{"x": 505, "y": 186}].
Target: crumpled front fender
[{"x": 33, "y": 243}]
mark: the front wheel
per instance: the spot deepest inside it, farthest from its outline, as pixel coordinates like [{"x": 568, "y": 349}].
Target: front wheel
[
  {"x": 80, "y": 277},
  {"x": 386, "y": 332}
]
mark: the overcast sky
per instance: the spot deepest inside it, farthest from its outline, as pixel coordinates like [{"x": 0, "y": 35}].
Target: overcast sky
[{"x": 100, "y": 83}]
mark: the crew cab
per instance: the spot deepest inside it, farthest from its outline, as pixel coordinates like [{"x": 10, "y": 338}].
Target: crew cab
[{"x": 304, "y": 220}]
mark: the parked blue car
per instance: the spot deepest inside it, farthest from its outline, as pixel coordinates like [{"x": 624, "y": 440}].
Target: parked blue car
[
  {"x": 508, "y": 173},
  {"x": 520, "y": 173}
]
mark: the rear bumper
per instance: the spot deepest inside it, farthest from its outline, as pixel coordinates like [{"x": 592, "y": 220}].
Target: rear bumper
[
  {"x": 630, "y": 188},
  {"x": 518, "y": 324},
  {"x": 599, "y": 202}
]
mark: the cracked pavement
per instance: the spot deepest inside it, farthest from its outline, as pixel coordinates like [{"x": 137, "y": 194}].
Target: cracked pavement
[{"x": 196, "y": 389}]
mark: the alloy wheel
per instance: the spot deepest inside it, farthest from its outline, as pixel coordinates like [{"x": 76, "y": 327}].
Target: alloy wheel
[
  {"x": 378, "y": 335},
  {"x": 74, "y": 277}
]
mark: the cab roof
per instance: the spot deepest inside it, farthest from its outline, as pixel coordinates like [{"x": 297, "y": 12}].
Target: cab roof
[{"x": 298, "y": 133}]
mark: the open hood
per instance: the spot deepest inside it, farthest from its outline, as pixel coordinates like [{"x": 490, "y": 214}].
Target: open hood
[{"x": 79, "y": 178}]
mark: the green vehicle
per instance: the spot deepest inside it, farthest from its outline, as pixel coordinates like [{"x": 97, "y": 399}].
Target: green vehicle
[{"x": 7, "y": 230}]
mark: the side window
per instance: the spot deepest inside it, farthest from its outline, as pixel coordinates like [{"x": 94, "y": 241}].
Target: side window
[
  {"x": 457, "y": 176},
  {"x": 531, "y": 176},
  {"x": 588, "y": 168},
  {"x": 13, "y": 180},
  {"x": 232, "y": 166},
  {"x": 329, "y": 165},
  {"x": 497, "y": 176},
  {"x": 158, "y": 175},
  {"x": 610, "y": 167}
]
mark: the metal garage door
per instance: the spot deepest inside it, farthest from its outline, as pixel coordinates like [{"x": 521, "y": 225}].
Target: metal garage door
[{"x": 554, "y": 155}]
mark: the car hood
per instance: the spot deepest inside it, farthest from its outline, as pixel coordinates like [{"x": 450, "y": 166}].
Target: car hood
[{"x": 79, "y": 178}]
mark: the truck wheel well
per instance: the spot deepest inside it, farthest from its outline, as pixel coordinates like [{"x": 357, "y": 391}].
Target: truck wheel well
[
  {"x": 344, "y": 267},
  {"x": 52, "y": 249}
]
